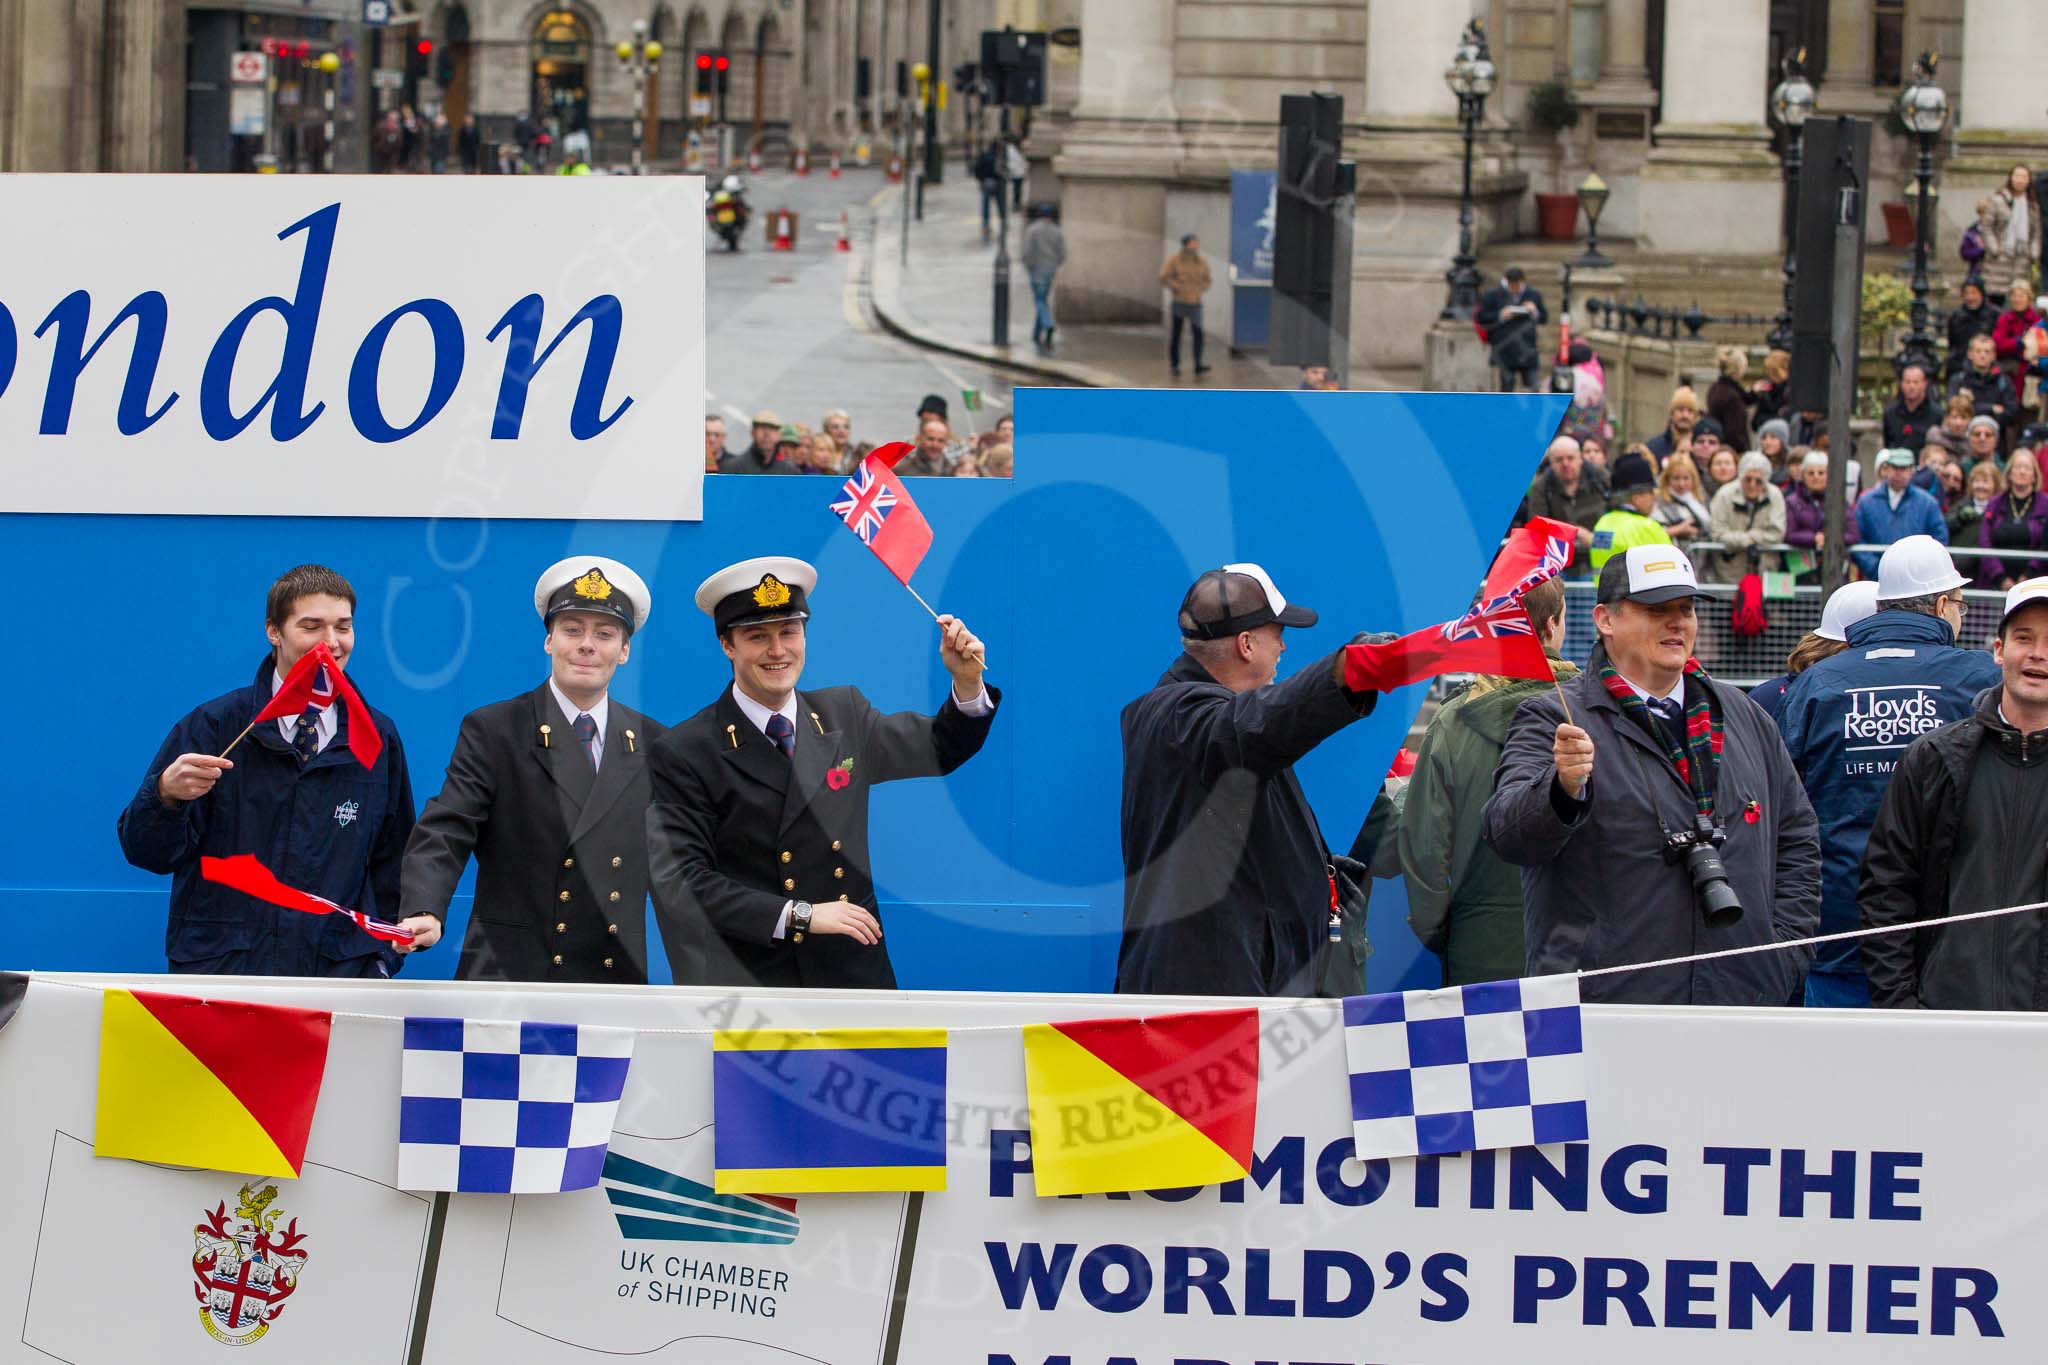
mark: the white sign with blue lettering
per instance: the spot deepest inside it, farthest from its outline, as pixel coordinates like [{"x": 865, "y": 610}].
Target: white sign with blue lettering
[{"x": 353, "y": 346}]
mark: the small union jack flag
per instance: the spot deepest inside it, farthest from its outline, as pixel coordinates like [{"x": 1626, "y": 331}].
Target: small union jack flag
[
  {"x": 866, "y": 504},
  {"x": 1490, "y": 620},
  {"x": 1557, "y": 552}
]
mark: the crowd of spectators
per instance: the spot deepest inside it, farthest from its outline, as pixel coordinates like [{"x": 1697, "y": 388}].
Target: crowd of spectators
[
  {"x": 1740, "y": 480},
  {"x": 779, "y": 447}
]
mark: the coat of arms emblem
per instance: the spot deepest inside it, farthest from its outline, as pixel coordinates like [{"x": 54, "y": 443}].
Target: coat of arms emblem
[{"x": 245, "y": 1269}]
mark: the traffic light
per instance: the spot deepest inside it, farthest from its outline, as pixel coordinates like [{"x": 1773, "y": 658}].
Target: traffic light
[
  {"x": 422, "y": 52},
  {"x": 721, "y": 70},
  {"x": 703, "y": 73},
  {"x": 1014, "y": 65}
]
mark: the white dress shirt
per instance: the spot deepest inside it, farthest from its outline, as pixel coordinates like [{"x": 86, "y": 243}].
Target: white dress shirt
[
  {"x": 759, "y": 714},
  {"x": 324, "y": 728},
  {"x": 599, "y": 713}
]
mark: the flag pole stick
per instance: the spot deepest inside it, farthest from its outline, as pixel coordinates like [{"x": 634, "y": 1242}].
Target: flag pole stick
[
  {"x": 236, "y": 740},
  {"x": 1560, "y": 698},
  {"x": 981, "y": 654}
]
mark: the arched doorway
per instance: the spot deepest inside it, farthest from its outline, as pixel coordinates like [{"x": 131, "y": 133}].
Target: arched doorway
[
  {"x": 559, "y": 97},
  {"x": 771, "y": 91},
  {"x": 738, "y": 106},
  {"x": 661, "y": 29},
  {"x": 457, "y": 65}
]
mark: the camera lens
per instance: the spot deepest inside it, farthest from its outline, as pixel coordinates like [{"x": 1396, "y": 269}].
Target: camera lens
[{"x": 1718, "y": 902}]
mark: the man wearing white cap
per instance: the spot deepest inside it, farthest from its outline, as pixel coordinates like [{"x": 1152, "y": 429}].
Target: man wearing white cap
[
  {"x": 549, "y": 791},
  {"x": 1660, "y": 817},
  {"x": 1964, "y": 827},
  {"x": 1847, "y": 721},
  {"x": 758, "y": 834},
  {"x": 1228, "y": 884}
]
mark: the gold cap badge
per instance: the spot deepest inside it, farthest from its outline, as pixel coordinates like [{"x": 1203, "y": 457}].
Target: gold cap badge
[
  {"x": 773, "y": 592},
  {"x": 593, "y": 585}
]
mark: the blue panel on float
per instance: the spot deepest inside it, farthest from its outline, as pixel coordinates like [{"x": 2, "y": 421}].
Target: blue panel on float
[{"x": 1378, "y": 510}]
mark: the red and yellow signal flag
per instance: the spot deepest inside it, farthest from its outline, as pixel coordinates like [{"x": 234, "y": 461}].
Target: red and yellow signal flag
[
  {"x": 222, "y": 1084},
  {"x": 1142, "y": 1104}
]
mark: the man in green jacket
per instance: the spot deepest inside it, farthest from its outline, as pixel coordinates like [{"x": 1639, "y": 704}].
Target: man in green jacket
[
  {"x": 1629, "y": 523},
  {"x": 1464, "y": 903}
]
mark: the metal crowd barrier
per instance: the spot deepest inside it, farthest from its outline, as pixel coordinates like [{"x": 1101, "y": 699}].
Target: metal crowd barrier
[{"x": 1750, "y": 659}]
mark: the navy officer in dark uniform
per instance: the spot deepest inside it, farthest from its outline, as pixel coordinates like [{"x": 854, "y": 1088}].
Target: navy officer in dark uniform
[
  {"x": 549, "y": 791},
  {"x": 758, "y": 836},
  {"x": 293, "y": 795}
]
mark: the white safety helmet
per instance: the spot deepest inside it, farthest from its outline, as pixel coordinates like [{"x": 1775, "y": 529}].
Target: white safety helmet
[
  {"x": 731, "y": 184},
  {"x": 1851, "y": 603},
  {"x": 1918, "y": 566}
]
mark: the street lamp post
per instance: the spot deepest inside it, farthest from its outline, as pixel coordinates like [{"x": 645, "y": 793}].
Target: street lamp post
[
  {"x": 1791, "y": 102},
  {"x": 1923, "y": 107},
  {"x": 638, "y": 53},
  {"x": 1470, "y": 77},
  {"x": 1592, "y": 194}
]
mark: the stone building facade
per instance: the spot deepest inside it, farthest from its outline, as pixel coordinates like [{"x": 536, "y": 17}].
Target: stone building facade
[
  {"x": 1172, "y": 94},
  {"x": 91, "y": 85}
]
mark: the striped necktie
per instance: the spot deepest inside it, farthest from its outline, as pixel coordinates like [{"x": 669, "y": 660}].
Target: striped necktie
[{"x": 586, "y": 730}]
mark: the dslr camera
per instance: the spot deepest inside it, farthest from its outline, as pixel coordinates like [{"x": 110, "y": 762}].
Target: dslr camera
[{"x": 1697, "y": 850}]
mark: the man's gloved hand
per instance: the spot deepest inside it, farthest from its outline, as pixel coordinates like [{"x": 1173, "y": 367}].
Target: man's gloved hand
[{"x": 1364, "y": 637}]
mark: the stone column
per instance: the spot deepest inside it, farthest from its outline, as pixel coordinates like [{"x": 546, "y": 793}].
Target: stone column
[
  {"x": 1407, "y": 48},
  {"x": 2000, "y": 119},
  {"x": 1116, "y": 160},
  {"x": 144, "y": 88},
  {"x": 1624, "y": 76},
  {"x": 1710, "y": 185},
  {"x": 1405, "y": 224},
  {"x": 1848, "y": 86}
]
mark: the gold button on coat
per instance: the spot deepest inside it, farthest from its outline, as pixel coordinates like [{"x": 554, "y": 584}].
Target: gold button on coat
[
  {"x": 617, "y": 860},
  {"x": 835, "y": 845},
  {"x": 789, "y": 883},
  {"x": 558, "y": 959},
  {"x": 785, "y": 855},
  {"x": 615, "y": 895},
  {"x": 561, "y": 926},
  {"x": 611, "y": 928},
  {"x": 568, "y": 862},
  {"x": 607, "y": 964},
  {"x": 839, "y": 872},
  {"x": 564, "y": 896}
]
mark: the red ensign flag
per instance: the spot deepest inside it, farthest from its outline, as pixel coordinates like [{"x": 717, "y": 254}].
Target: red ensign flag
[
  {"x": 875, "y": 506},
  {"x": 314, "y": 681}
]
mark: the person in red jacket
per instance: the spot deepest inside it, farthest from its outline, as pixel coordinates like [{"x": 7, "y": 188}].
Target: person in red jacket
[{"x": 2009, "y": 333}]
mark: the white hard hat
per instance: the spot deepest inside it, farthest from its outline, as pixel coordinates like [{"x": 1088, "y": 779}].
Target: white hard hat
[
  {"x": 1917, "y": 566},
  {"x": 1851, "y": 603}
]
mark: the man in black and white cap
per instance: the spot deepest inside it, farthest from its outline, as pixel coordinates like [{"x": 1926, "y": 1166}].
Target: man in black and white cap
[
  {"x": 759, "y": 828},
  {"x": 1660, "y": 816},
  {"x": 1228, "y": 884},
  {"x": 548, "y": 790}
]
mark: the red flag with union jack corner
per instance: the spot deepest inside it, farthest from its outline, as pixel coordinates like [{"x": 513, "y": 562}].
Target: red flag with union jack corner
[{"x": 874, "y": 505}]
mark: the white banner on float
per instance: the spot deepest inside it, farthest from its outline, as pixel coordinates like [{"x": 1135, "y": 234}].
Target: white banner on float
[
  {"x": 378, "y": 346},
  {"x": 1786, "y": 1184}
]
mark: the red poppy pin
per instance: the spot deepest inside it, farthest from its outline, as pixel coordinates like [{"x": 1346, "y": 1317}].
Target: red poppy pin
[
  {"x": 838, "y": 776},
  {"x": 1753, "y": 811}
]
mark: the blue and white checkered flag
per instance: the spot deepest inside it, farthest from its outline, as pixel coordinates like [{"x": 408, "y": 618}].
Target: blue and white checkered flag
[
  {"x": 1466, "y": 1069},
  {"x": 491, "y": 1106}
]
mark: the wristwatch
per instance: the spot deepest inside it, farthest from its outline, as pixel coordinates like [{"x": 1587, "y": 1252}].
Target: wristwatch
[{"x": 799, "y": 921}]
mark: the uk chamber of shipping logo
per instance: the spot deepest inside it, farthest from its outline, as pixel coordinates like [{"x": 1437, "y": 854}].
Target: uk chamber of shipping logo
[
  {"x": 653, "y": 1205},
  {"x": 245, "y": 1268}
]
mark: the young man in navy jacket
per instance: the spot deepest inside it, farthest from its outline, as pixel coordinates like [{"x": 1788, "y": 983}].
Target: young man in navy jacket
[{"x": 293, "y": 795}]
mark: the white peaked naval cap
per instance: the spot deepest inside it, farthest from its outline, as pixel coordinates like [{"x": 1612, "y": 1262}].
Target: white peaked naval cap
[{"x": 595, "y": 584}]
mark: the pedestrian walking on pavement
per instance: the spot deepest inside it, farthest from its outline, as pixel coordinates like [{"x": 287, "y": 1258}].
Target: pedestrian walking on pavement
[
  {"x": 1016, "y": 166},
  {"x": 1043, "y": 253},
  {"x": 988, "y": 173},
  {"x": 1186, "y": 276}
]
